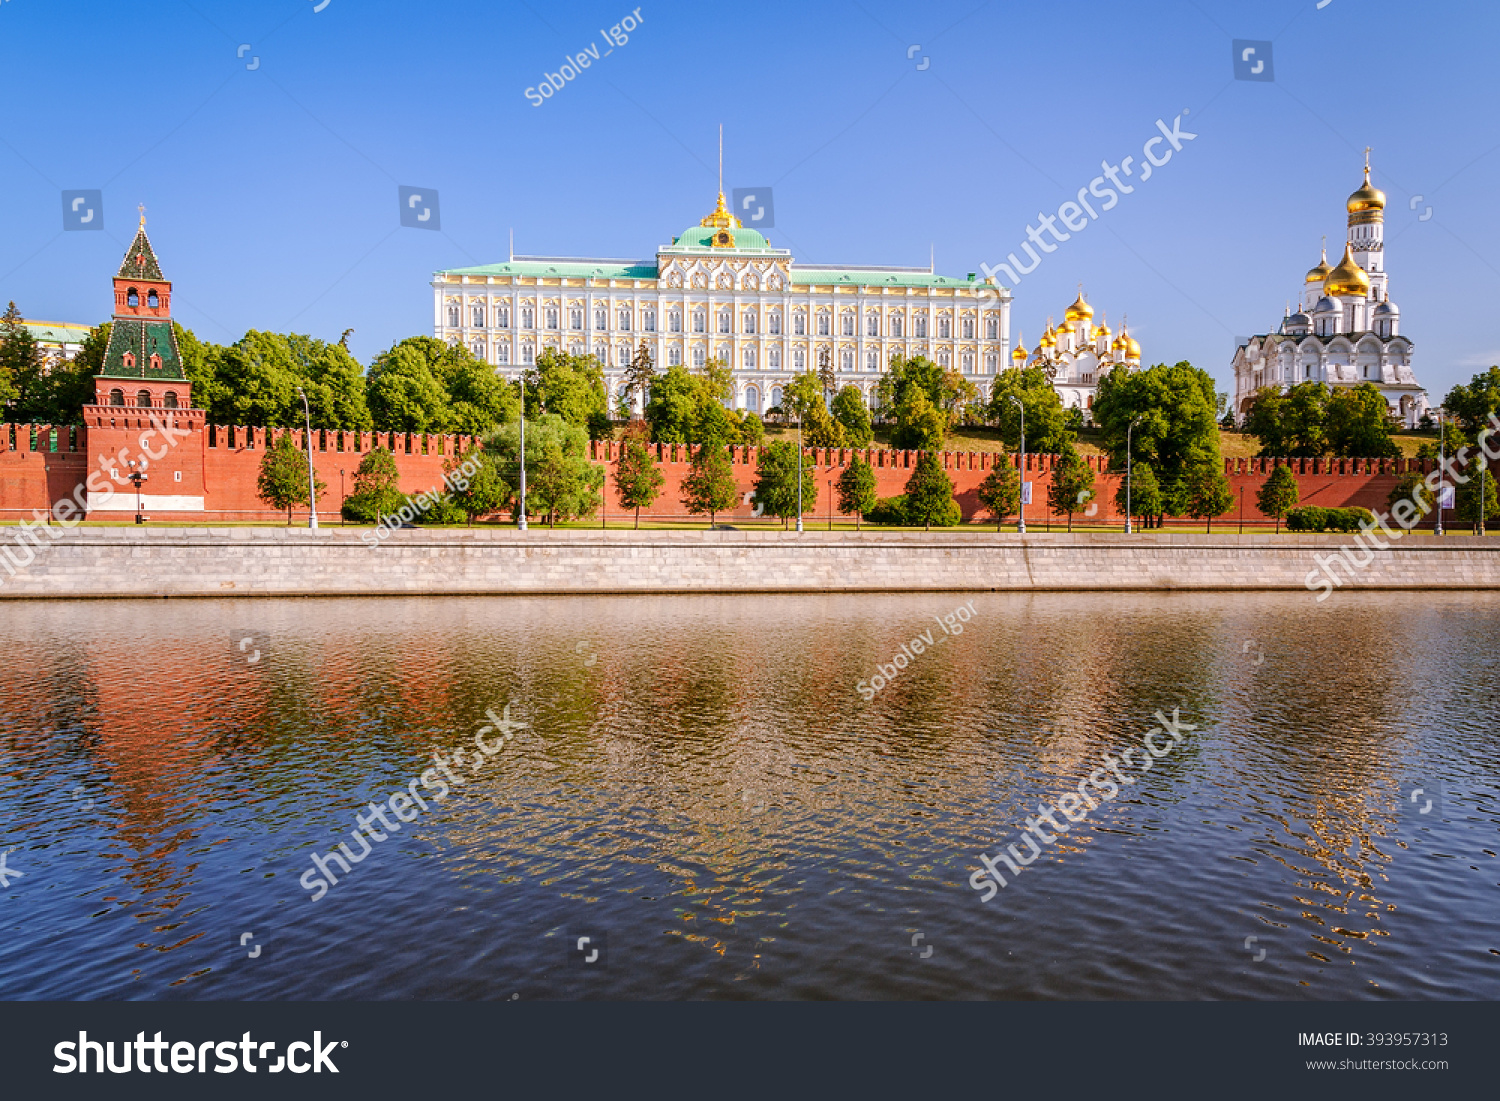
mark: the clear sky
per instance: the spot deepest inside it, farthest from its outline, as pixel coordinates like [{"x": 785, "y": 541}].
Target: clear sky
[{"x": 271, "y": 192}]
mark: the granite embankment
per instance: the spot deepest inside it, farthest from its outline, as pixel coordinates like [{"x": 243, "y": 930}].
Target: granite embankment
[{"x": 217, "y": 562}]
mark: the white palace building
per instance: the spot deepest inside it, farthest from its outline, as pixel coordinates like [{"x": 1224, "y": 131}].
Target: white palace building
[
  {"x": 720, "y": 290},
  {"x": 1346, "y": 329}
]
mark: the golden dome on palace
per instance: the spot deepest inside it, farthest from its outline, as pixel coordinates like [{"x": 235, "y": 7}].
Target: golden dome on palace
[
  {"x": 1368, "y": 197},
  {"x": 1347, "y": 280},
  {"x": 1079, "y": 309},
  {"x": 1319, "y": 273}
]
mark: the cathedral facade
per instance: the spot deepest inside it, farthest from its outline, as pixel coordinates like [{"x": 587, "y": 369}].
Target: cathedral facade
[
  {"x": 1346, "y": 330},
  {"x": 720, "y": 290},
  {"x": 1077, "y": 354}
]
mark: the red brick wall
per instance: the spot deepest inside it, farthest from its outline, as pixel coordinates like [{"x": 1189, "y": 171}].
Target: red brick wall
[{"x": 42, "y": 466}]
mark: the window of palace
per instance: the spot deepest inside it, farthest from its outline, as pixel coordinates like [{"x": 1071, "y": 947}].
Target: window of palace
[
  {"x": 725, "y": 321},
  {"x": 944, "y": 328},
  {"x": 700, "y": 322},
  {"x": 699, "y": 356},
  {"x": 848, "y": 325},
  {"x": 601, "y": 320},
  {"x": 872, "y": 325},
  {"x": 674, "y": 356},
  {"x": 920, "y": 327},
  {"x": 799, "y": 324},
  {"x": 528, "y": 318},
  {"x": 750, "y": 322},
  {"x": 575, "y": 319},
  {"x": 648, "y": 320},
  {"x": 674, "y": 322},
  {"x": 823, "y": 324},
  {"x": 551, "y": 317},
  {"x": 774, "y": 323},
  {"x": 968, "y": 328},
  {"x": 502, "y": 317}
]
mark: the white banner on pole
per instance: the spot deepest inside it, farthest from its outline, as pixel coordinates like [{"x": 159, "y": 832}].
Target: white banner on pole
[
  {"x": 1446, "y": 497},
  {"x": 1026, "y": 493}
]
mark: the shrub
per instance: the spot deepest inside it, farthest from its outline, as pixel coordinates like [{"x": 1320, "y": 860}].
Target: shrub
[
  {"x": 888, "y": 510},
  {"x": 1312, "y": 518}
]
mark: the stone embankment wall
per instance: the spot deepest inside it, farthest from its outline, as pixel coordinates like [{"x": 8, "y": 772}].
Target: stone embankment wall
[{"x": 217, "y": 562}]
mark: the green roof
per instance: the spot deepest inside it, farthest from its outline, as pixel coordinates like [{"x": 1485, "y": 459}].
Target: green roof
[
  {"x": 878, "y": 278},
  {"x": 141, "y": 337},
  {"x": 571, "y": 269},
  {"x": 140, "y": 260},
  {"x": 703, "y": 237},
  {"x": 48, "y": 332}
]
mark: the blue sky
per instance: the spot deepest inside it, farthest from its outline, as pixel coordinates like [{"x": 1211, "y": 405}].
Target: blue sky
[{"x": 271, "y": 192}]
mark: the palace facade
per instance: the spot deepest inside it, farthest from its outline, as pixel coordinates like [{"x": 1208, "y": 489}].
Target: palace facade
[
  {"x": 720, "y": 290},
  {"x": 1346, "y": 330}
]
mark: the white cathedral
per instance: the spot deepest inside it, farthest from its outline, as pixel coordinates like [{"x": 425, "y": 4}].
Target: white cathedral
[
  {"x": 720, "y": 290},
  {"x": 1346, "y": 330}
]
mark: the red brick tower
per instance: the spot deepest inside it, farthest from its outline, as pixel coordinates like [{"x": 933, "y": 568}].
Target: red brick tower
[{"x": 143, "y": 409}]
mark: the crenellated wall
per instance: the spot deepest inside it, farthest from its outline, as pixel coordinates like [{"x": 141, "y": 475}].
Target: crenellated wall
[{"x": 42, "y": 466}]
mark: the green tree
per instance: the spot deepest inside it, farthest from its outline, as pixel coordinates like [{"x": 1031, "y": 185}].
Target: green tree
[
  {"x": 1451, "y": 440},
  {"x": 1175, "y": 430},
  {"x": 22, "y": 368},
  {"x": 1278, "y": 493},
  {"x": 929, "y": 495},
  {"x": 639, "y": 375},
  {"x": 1412, "y": 487},
  {"x": 282, "y": 481},
  {"x": 483, "y": 488},
  {"x": 776, "y": 481},
  {"x": 1000, "y": 492},
  {"x": 1358, "y": 423},
  {"x": 1473, "y": 402},
  {"x": 819, "y": 429},
  {"x": 561, "y": 482},
  {"x": 570, "y": 386},
  {"x": 1145, "y": 497},
  {"x": 713, "y": 425},
  {"x": 1467, "y": 498},
  {"x": 403, "y": 390},
  {"x": 919, "y": 423},
  {"x": 1047, "y": 429},
  {"x": 947, "y": 392},
  {"x": 1205, "y": 492},
  {"x": 851, "y": 412},
  {"x": 376, "y": 491},
  {"x": 479, "y": 400},
  {"x": 826, "y": 375},
  {"x": 672, "y": 409},
  {"x": 1290, "y": 425},
  {"x": 857, "y": 490},
  {"x": 1072, "y": 483},
  {"x": 709, "y": 485},
  {"x": 752, "y": 430},
  {"x": 803, "y": 395},
  {"x": 637, "y": 480}
]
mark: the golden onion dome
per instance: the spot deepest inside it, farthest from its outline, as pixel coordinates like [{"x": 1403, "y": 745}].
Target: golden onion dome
[
  {"x": 1079, "y": 309},
  {"x": 1047, "y": 339},
  {"x": 1368, "y": 197},
  {"x": 1319, "y": 273},
  {"x": 1019, "y": 355},
  {"x": 1348, "y": 279}
]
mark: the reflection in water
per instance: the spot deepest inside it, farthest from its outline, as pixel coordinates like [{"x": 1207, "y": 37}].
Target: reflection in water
[{"x": 701, "y": 782}]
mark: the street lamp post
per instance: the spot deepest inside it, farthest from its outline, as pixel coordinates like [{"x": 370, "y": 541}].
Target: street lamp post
[
  {"x": 799, "y": 469},
  {"x": 522, "y": 524},
  {"x": 1128, "y": 471},
  {"x": 830, "y": 504},
  {"x": 1442, "y": 466},
  {"x": 342, "y": 497},
  {"x": 312, "y": 483},
  {"x": 137, "y": 476},
  {"x": 1021, "y": 527}
]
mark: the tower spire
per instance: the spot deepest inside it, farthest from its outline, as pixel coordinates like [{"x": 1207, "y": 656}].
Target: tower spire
[
  {"x": 721, "y": 162},
  {"x": 142, "y": 208}
]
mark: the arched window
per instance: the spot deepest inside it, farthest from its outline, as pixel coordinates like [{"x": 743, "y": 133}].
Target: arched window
[
  {"x": 872, "y": 325},
  {"x": 752, "y": 399},
  {"x": 799, "y": 359},
  {"x": 872, "y": 360},
  {"x": 944, "y": 328},
  {"x": 700, "y": 322},
  {"x": 601, "y": 320},
  {"x": 624, "y": 321},
  {"x": 848, "y": 324},
  {"x": 992, "y": 329},
  {"x": 169, "y": 399},
  {"x": 773, "y": 358},
  {"x": 575, "y": 319},
  {"x": 151, "y": 299},
  {"x": 648, "y": 320},
  {"x": 991, "y": 363},
  {"x": 674, "y": 322},
  {"x": 117, "y": 397},
  {"x": 846, "y": 361},
  {"x": 452, "y": 317},
  {"x": 502, "y": 353},
  {"x": 921, "y": 327},
  {"x": 528, "y": 353},
  {"x": 776, "y": 395},
  {"x": 674, "y": 356},
  {"x": 551, "y": 317},
  {"x": 799, "y": 324},
  {"x": 823, "y": 323},
  {"x": 750, "y": 321},
  {"x": 896, "y": 326},
  {"x": 476, "y": 316},
  {"x": 502, "y": 317},
  {"x": 528, "y": 318},
  {"x": 128, "y": 359},
  {"x": 774, "y": 324},
  {"x": 143, "y": 397},
  {"x": 748, "y": 357},
  {"x": 968, "y": 363},
  {"x": 726, "y": 320},
  {"x": 155, "y": 362},
  {"x": 478, "y": 349},
  {"x": 700, "y": 357},
  {"x": 132, "y": 297},
  {"x": 968, "y": 328}
]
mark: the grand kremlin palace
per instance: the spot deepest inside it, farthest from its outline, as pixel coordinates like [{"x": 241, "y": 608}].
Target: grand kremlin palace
[{"x": 720, "y": 289}]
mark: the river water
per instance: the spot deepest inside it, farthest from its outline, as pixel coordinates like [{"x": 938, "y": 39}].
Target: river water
[{"x": 704, "y": 792}]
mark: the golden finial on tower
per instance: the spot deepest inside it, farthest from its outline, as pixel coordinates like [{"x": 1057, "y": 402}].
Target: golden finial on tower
[{"x": 142, "y": 208}]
